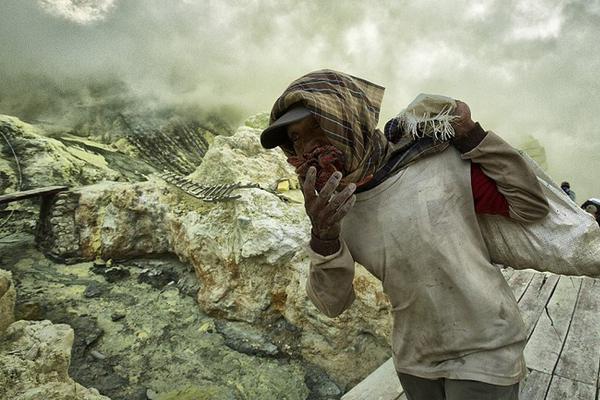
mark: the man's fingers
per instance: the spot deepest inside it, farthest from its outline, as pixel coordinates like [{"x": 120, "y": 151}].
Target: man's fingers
[
  {"x": 340, "y": 198},
  {"x": 343, "y": 210},
  {"x": 328, "y": 189},
  {"x": 308, "y": 186}
]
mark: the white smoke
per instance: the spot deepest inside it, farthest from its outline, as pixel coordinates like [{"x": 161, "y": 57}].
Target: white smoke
[
  {"x": 79, "y": 11},
  {"x": 526, "y": 67}
]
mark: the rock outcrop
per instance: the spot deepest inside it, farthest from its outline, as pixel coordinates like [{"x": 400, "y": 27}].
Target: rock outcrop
[
  {"x": 7, "y": 300},
  {"x": 44, "y": 161},
  {"x": 248, "y": 254},
  {"x": 140, "y": 336},
  {"x": 34, "y": 363}
]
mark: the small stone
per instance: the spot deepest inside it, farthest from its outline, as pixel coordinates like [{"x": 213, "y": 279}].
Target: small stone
[
  {"x": 151, "y": 394},
  {"x": 117, "y": 317},
  {"x": 97, "y": 355},
  {"x": 116, "y": 274},
  {"x": 245, "y": 338},
  {"x": 244, "y": 221},
  {"x": 157, "y": 278},
  {"x": 98, "y": 262},
  {"x": 111, "y": 274},
  {"x": 283, "y": 186},
  {"x": 93, "y": 290}
]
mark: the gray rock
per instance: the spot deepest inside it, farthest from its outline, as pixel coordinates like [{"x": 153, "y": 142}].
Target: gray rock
[
  {"x": 246, "y": 339},
  {"x": 158, "y": 278},
  {"x": 39, "y": 353},
  {"x": 93, "y": 290},
  {"x": 112, "y": 274},
  {"x": 7, "y": 300}
]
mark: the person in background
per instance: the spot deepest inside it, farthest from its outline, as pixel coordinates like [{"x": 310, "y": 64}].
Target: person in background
[
  {"x": 592, "y": 208},
  {"x": 406, "y": 209},
  {"x": 566, "y": 187}
]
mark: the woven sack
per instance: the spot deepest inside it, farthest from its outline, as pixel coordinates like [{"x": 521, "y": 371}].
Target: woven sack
[{"x": 566, "y": 241}]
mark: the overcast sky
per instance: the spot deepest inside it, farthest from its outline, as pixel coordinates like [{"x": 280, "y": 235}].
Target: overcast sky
[{"x": 526, "y": 67}]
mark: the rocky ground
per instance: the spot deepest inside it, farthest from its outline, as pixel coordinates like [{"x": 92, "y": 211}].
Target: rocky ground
[
  {"x": 139, "y": 333},
  {"x": 169, "y": 297}
]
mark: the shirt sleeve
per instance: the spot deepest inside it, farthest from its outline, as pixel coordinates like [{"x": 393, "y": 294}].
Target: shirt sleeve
[
  {"x": 514, "y": 179},
  {"x": 486, "y": 196},
  {"x": 329, "y": 285}
]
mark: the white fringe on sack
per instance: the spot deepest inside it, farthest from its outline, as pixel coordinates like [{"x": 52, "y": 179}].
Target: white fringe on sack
[{"x": 438, "y": 126}]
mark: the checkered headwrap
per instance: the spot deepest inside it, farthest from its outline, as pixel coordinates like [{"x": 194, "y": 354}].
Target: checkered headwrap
[{"x": 347, "y": 109}]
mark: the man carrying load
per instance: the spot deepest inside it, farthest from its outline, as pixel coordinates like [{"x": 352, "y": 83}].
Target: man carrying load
[{"x": 404, "y": 205}]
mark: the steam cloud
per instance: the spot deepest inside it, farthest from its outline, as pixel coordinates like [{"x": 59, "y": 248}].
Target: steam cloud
[{"x": 525, "y": 67}]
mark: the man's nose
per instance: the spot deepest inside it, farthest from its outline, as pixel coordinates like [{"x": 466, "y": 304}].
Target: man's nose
[{"x": 311, "y": 144}]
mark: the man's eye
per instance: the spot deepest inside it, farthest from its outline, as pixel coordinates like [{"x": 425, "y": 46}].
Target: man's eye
[{"x": 293, "y": 137}]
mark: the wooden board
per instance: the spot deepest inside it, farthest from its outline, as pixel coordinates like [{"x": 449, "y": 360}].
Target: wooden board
[
  {"x": 536, "y": 297},
  {"x": 26, "y": 194},
  {"x": 562, "y": 314},
  {"x": 383, "y": 384},
  {"x": 580, "y": 357},
  {"x": 507, "y": 272},
  {"x": 567, "y": 389},
  {"x": 519, "y": 281},
  {"x": 535, "y": 386},
  {"x": 545, "y": 344}
]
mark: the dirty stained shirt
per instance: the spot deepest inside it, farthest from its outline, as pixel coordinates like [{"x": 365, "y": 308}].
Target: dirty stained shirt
[{"x": 454, "y": 314}]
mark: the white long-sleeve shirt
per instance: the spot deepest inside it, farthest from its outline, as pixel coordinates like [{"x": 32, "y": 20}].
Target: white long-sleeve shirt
[{"x": 454, "y": 314}]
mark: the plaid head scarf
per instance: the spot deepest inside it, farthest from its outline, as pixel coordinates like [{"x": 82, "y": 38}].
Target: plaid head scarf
[{"x": 347, "y": 110}]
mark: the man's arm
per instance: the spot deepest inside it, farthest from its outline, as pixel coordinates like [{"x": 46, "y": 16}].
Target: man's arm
[
  {"x": 504, "y": 165},
  {"x": 329, "y": 284}
]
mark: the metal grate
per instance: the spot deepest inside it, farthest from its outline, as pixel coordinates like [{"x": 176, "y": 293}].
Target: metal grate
[{"x": 212, "y": 193}]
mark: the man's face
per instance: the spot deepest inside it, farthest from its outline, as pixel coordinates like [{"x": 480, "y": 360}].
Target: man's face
[
  {"x": 313, "y": 149},
  {"x": 306, "y": 135}
]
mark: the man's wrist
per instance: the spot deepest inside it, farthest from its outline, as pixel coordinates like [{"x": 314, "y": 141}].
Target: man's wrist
[
  {"x": 470, "y": 140},
  {"x": 324, "y": 247}
]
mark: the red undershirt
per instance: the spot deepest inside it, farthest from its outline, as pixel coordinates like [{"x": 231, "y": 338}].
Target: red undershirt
[{"x": 487, "y": 198}]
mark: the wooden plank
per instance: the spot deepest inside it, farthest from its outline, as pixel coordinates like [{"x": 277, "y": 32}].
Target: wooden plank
[
  {"x": 545, "y": 344},
  {"x": 507, "y": 272},
  {"x": 382, "y": 384},
  {"x": 535, "y": 386},
  {"x": 26, "y": 194},
  {"x": 580, "y": 357},
  {"x": 519, "y": 281},
  {"x": 536, "y": 297},
  {"x": 567, "y": 389}
]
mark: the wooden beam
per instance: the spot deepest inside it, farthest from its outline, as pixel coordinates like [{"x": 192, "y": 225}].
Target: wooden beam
[
  {"x": 519, "y": 281},
  {"x": 26, "y": 194},
  {"x": 567, "y": 389},
  {"x": 536, "y": 297},
  {"x": 535, "y": 386},
  {"x": 580, "y": 357},
  {"x": 545, "y": 344}
]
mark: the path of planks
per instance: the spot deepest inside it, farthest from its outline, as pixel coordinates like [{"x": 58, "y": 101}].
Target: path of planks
[{"x": 562, "y": 315}]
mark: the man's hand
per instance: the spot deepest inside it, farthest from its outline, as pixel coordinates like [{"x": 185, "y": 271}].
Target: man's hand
[
  {"x": 325, "y": 209},
  {"x": 463, "y": 124}
]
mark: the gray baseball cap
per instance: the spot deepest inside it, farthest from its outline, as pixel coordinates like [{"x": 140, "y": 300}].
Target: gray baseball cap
[{"x": 275, "y": 134}]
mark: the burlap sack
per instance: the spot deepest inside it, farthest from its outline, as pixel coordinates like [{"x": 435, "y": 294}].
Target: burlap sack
[{"x": 566, "y": 241}]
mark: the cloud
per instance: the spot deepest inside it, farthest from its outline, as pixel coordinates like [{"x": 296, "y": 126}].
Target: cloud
[
  {"x": 526, "y": 67},
  {"x": 78, "y": 11}
]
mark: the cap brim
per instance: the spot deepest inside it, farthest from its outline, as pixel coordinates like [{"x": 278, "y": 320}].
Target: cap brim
[{"x": 274, "y": 135}]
